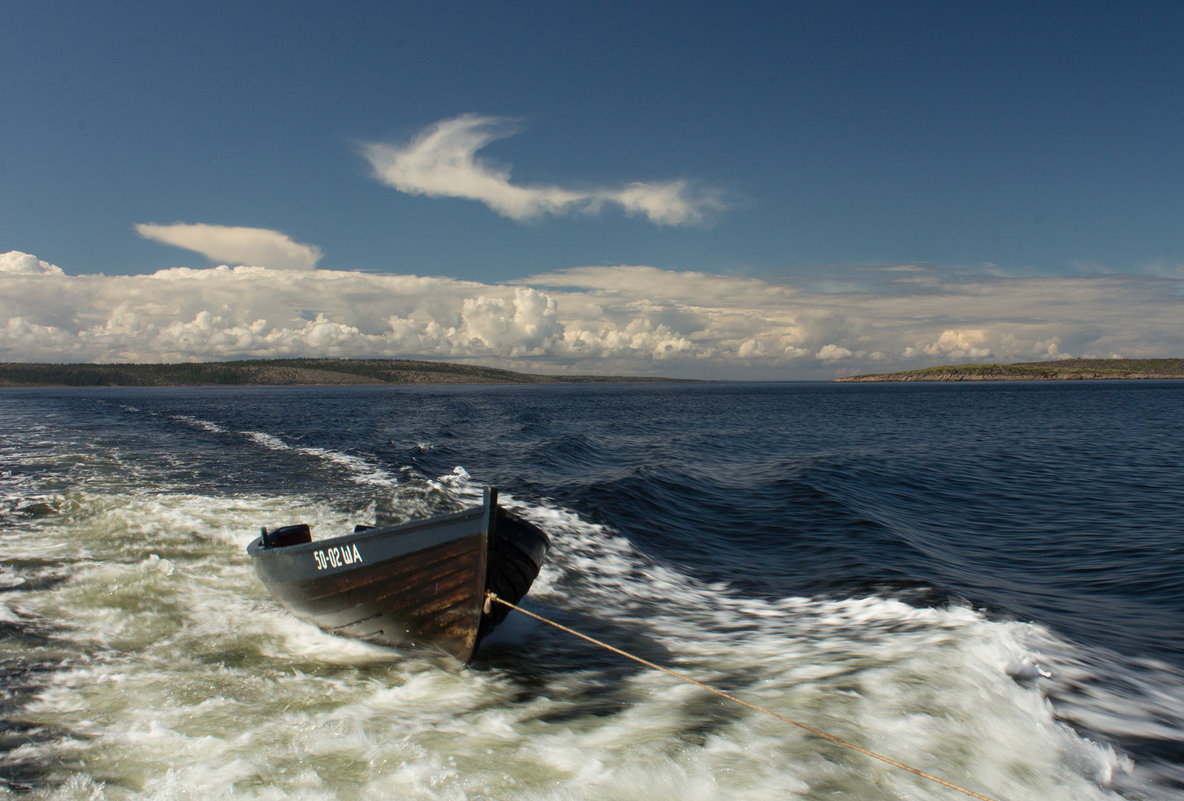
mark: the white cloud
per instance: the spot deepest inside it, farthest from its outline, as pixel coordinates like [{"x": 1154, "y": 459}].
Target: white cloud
[
  {"x": 960, "y": 344},
  {"x": 227, "y": 244},
  {"x": 625, "y": 319},
  {"x": 831, "y": 352},
  {"x": 523, "y": 325},
  {"x": 442, "y": 162},
  {"x": 16, "y": 263}
]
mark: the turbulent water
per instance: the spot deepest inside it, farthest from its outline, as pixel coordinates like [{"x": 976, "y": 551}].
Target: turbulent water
[{"x": 985, "y": 582}]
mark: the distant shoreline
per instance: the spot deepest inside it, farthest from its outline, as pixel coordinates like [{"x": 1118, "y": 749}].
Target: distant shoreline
[
  {"x": 282, "y": 372},
  {"x": 1061, "y": 370}
]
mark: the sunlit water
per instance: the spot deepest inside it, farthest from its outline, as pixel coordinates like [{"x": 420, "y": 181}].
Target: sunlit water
[{"x": 983, "y": 582}]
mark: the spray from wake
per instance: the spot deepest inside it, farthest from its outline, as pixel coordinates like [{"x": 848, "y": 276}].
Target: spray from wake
[{"x": 165, "y": 671}]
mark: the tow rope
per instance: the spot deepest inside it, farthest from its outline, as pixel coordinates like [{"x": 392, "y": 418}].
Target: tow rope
[{"x": 491, "y": 597}]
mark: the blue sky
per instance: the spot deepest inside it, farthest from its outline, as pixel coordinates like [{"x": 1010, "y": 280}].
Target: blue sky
[{"x": 576, "y": 172}]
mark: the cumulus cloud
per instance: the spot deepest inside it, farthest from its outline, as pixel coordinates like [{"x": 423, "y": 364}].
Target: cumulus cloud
[
  {"x": 227, "y": 244},
  {"x": 442, "y": 161},
  {"x": 831, "y": 352},
  {"x": 608, "y": 319},
  {"x": 16, "y": 263},
  {"x": 960, "y": 344}
]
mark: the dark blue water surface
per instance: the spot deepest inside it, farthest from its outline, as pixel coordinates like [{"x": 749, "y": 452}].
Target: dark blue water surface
[
  {"x": 1060, "y": 503},
  {"x": 1057, "y": 503}
]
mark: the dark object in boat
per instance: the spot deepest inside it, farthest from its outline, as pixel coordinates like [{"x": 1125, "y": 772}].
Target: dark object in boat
[{"x": 421, "y": 583}]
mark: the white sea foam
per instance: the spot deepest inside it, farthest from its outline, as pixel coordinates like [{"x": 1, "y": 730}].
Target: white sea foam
[
  {"x": 179, "y": 677},
  {"x": 269, "y": 441},
  {"x": 358, "y": 469},
  {"x": 197, "y": 422}
]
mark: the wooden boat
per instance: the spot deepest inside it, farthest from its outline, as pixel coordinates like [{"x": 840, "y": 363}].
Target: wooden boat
[{"x": 419, "y": 584}]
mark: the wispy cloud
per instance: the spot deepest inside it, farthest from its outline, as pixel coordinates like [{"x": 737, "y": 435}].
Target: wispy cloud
[
  {"x": 235, "y": 245},
  {"x": 441, "y": 161},
  {"x": 622, "y": 319}
]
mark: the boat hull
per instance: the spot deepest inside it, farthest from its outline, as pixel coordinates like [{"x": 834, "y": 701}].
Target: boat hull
[{"x": 419, "y": 584}]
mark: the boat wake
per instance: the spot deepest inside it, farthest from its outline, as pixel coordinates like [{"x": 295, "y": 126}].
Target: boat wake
[
  {"x": 946, "y": 686},
  {"x": 150, "y": 663}
]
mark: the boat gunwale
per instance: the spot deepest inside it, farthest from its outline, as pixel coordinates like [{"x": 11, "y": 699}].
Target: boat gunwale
[{"x": 256, "y": 548}]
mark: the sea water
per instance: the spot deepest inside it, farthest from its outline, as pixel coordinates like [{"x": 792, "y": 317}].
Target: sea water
[{"x": 983, "y": 581}]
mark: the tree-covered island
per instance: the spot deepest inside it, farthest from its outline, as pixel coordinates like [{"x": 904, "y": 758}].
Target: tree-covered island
[
  {"x": 278, "y": 372},
  {"x": 1060, "y": 370}
]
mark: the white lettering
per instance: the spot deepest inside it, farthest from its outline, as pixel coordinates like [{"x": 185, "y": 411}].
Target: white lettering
[{"x": 337, "y": 556}]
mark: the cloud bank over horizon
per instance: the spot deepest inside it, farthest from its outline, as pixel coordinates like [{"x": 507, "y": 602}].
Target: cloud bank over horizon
[
  {"x": 621, "y": 319},
  {"x": 441, "y": 161}
]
